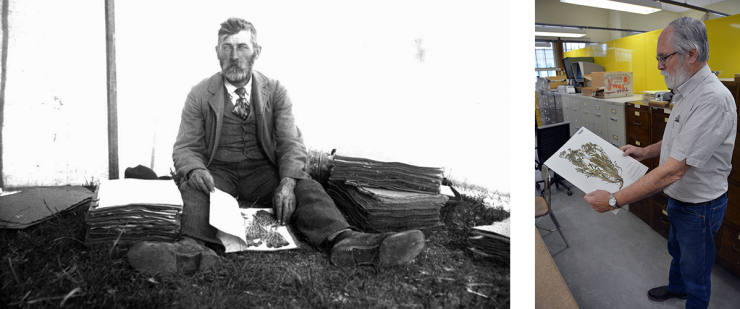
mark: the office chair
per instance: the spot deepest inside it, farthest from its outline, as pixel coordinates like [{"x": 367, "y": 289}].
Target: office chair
[
  {"x": 543, "y": 206},
  {"x": 549, "y": 140}
]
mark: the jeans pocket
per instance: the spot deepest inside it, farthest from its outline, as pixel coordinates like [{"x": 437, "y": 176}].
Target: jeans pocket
[
  {"x": 718, "y": 214},
  {"x": 698, "y": 211}
]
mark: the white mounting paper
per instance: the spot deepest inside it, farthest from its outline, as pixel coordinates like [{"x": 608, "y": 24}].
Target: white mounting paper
[
  {"x": 631, "y": 169},
  {"x": 231, "y": 222}
]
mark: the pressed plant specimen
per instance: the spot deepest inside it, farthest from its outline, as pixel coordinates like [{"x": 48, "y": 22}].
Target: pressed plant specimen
[{"x": 591, "y": 160}]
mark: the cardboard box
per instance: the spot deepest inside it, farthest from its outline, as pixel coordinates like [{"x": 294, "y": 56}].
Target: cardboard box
[
  {"x": 556, "y": 81},
  {"x": 587, "y": 80},
  {"x": 616, "y": 84},
  {"x": 587, "y": 91}
]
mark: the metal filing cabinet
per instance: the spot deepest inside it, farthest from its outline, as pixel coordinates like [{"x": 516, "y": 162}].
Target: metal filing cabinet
[
  {"x": 598, "y": 113},
  {"x": 559, "y": 108},
  {"x": 567, "y": 117},
  {"x": 585, "y": 109},
  {"x": 604, "y": 118},
  {"x": 566, "y": 104},
  {"x": 600, "y": 131},
  {"x": 615, "y": 124}
]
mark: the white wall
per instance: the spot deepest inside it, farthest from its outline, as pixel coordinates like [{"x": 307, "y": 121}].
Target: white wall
[
  {"x": 55, "y": 98},
  {"x": 351, "y": 71}
]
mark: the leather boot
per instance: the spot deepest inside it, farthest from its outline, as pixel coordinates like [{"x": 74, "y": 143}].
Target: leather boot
[{"x": 354, "y": 248}]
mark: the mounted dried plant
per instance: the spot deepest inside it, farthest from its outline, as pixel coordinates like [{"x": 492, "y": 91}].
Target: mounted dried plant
[{"x": 591, "y": 160}]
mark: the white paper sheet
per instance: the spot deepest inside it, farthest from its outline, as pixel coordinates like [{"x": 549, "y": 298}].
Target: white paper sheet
[
  {"x": 630, "y": 170},
  {"x": 120, "y": 192},
  {"x": 232, "y": 221}
]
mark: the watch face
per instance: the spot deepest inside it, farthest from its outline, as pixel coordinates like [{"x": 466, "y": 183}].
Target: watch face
[{"x": 612, "y": 201}]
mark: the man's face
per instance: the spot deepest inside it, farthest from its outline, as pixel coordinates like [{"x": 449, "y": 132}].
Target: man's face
[
  {"x": 674, "y": 69},
  {"x": 236, "y": 54}
]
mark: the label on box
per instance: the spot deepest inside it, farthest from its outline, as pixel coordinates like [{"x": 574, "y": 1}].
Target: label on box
[{"x": 616, "y": 84}]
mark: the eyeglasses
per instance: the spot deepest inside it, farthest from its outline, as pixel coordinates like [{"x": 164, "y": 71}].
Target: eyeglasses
[{"x": 663, "y": 59}]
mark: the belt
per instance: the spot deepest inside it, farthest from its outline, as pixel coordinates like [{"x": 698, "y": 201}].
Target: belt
[{"x": 696, "y": 204}]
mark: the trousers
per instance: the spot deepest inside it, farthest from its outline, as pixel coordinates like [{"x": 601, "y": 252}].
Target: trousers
[
  {"x": 254, "y": 181},
  {"x": 691, "y": 244}
]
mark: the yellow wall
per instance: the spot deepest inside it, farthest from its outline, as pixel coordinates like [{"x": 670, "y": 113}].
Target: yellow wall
[
  {"x": 724, "y": 45},
  {"x": 637, "y": 53}
]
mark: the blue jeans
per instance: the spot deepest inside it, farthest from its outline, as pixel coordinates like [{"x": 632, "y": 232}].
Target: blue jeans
[{"x": 691, "y": 244}]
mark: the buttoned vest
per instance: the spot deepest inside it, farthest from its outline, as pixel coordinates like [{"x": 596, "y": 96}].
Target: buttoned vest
[{"x": 238, "y": 140}]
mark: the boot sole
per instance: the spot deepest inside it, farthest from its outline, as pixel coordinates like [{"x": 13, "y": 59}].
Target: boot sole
[
  {"x": 396, "y": 249},
  {"x": 401, "y": 248}
]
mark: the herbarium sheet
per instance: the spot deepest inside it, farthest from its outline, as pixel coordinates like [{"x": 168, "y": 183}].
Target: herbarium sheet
[
  {"x": 247, "y": 229},
  {"x": 591, "y": 163}
]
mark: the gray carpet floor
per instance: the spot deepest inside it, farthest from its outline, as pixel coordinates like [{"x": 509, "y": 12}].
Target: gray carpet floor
[{"x": 613, "y": 260}]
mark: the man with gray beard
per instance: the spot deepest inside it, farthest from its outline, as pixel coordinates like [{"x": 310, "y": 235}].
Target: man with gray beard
[
  {"x": 237, "y": 134},
  {"x": 695, "y": 161}
]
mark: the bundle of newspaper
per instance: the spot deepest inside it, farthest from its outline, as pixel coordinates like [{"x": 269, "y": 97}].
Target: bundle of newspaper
[
  {"x": 126, "y": 211},
  {"x": 491, "y": 240},
  {"x": 386, "y": 196}
]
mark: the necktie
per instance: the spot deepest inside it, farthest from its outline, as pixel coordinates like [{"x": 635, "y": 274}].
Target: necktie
[{"x": 242, "y": 104}]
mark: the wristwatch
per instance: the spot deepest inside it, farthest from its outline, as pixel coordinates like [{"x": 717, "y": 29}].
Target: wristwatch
[{"x": 613, "y": 201}]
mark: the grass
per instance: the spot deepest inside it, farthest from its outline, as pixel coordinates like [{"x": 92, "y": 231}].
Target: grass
[{"x": 47, "y": 265}]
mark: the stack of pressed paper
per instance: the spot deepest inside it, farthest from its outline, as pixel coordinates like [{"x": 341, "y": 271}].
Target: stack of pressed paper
[
  {"x": 491, "y": 240},
  {"x": 386, "y": 196},
  {"x": 126, "y": 211}
]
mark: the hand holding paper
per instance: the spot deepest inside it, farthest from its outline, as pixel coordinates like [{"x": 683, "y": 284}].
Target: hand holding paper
[
  {"x": 593, "y": 164},
  {"x": 599, "y": 201}
]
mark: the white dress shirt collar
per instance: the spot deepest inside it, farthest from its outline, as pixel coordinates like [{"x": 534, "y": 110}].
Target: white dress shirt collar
[{"x": 231, "y": 89}]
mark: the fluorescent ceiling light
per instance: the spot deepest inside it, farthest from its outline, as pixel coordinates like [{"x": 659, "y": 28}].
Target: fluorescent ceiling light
[
  {"x": 632, "y": 6},
  {"x": 542, "y": 45},
  {"x": 559, "y": 32}
]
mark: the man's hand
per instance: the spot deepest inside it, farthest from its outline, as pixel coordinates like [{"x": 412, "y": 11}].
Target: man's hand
[
  {"x": 283, "y": 203},
  {"x": 636, "y": 152},
  {"x": 599, "y": 200},
  {"x": 201, "y": 179}
]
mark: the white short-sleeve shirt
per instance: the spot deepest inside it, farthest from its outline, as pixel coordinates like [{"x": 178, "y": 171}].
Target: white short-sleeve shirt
[{"x": 701, "y": 129}]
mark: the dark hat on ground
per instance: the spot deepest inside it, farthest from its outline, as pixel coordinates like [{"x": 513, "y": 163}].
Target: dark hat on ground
[{"x": 140, "y": 172}]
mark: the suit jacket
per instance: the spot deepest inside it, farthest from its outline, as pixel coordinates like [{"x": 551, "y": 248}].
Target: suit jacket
[{"x": 202, "y": 120}]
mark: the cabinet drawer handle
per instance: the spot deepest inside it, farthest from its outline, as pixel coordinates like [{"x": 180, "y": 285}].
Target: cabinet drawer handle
[
  {"x": 664, "y": 221},
  {"x": 665, "y": 212},
  {"x": 612, "y": 119},
  {"x": 637, "y": 123},
  {"x": 597, "y": 114},
  {"x": 735, "y": 247},
  {"x": 585, "y": 112}
]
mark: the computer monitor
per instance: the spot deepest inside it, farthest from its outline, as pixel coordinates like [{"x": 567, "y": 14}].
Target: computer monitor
[
  {"x": 585, "y": 68},
  {"x": 567, "y": 61}
]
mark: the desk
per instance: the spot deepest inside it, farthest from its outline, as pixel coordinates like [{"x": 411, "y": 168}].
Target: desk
[{"x": 550, "y": 288}]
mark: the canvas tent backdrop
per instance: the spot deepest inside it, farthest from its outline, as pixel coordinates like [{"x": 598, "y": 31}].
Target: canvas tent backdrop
[{"x": 415, "y": 81}]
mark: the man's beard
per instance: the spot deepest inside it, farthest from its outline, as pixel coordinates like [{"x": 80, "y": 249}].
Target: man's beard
[
  {"x": 675, "y": 80},
  {"x": 237, "y": 71}
]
